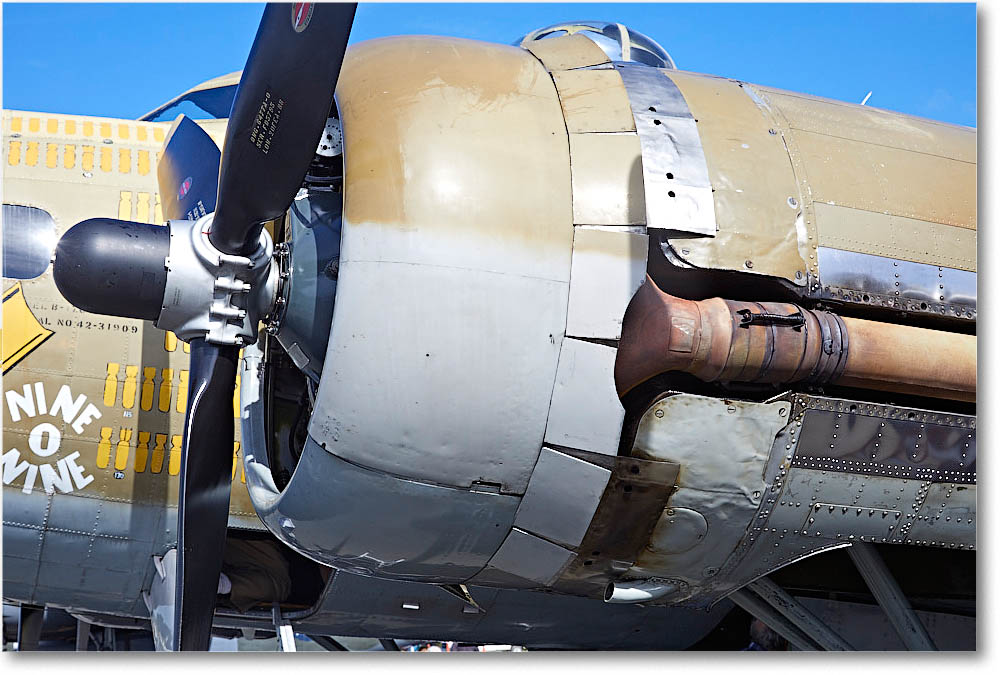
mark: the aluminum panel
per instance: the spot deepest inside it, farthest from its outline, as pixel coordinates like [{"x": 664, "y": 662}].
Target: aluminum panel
[
  {"x": 450, "y": 383},
  {"x": 608, "y": 268},
  {"x": 788, "y": 527},
  {"x": 862, "y": 278},
  {"x": 842, "y": 227},
  {"x": 607, "y": 179},
  {"x": 585, "y": 411},
  {"x": 561, "y": 498},
  {"x": 593, "y": 101},
  {"x": 529, "y": 557},
  {"x": 947, "y": 516},
  {"x": 566, "y": 52},
  {"x": 678, "y": 193},
  {"x": 889, "y": 180},
  {"x": 723, "y": 447},
  {"x": 456, "y": 246},
  {"x": 374, "y": 523}
]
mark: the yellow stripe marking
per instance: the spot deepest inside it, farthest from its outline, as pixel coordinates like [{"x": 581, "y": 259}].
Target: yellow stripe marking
[
  {"x": 170, "y": 341},
  {"x": 124, "y": 161},
  {"x": 236, "y": 397},
  {"x": 105, "y": 130},
  {"x": 52, "y": 155},
  {"x": 121, "y": 452},
  {"x": 142, "y": 208},
  {"x": 14, "y": 153},
  {"x": 31, "y": 156},
  {"x": 105, "y": 159},
  {"x": 182, "y": 392},
  {"x": 88, "y": 128},
  {"x": 140, "y": 132},
  {"x": 104, "y": 448},
  {"x": 128, "y": 391},
  {"x": 123, "y": 131},
  {"x": 69, "y": 156},
  {"x": 125, "y": 206},
  {"x": 33, "y": 124},
  {"x": 175, "y": 455},
  {"x": 146, "y": 399},
  {"x": 70, "y": 127},
  {"x": 157, "y": 465},
  {"x": 15, "y": 124},
  {"x": 52, "y": 126},
  {"x": 158, "y": 135},
  {"x": 142, "y": 452},
  {"x": 166, "y": 389},
  {"x": 88, "y": 158},
  {"x": 143, "y": 162},
  {"x": 111, "y": 385}
]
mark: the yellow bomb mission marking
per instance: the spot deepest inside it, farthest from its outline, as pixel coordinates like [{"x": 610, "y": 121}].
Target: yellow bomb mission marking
[{"x": 45, "y": 438}]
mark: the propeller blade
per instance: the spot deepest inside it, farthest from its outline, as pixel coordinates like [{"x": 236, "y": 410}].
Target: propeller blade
[
  {"x": 203, "y": 504},
  {"x": 188, "y": 172},
  {"x": 281, "y": 107}
]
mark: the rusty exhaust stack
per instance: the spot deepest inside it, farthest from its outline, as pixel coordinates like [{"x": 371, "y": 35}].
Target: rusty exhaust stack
[{"x": 720, "y": 340}]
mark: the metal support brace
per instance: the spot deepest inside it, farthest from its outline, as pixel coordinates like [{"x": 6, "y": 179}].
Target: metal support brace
[
  {"x": 794, "y": 611},
  {"x": 782, "y": 626},
  {"x": 29, "y": 627},
  {"x": 82, "y": 635},
  {"x": 328, "y": 643},
  {"x": 286, "y": 636},
  {"x": 889, "y": 596}
]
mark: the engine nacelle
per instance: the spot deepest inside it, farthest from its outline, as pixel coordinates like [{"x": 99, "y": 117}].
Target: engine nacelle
[{"x": 500, "y": 205}]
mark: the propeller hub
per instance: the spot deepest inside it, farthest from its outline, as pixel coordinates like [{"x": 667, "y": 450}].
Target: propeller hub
[{"x": 214, "y": 295}]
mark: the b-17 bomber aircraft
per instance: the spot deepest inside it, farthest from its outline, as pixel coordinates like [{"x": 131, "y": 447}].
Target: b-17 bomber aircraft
[{"x": 549, "y": 344}]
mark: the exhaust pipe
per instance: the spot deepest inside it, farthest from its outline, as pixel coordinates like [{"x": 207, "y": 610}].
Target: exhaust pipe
[
  {"x": 720, "y": 340},
  {"x": 639, "y": 590}
]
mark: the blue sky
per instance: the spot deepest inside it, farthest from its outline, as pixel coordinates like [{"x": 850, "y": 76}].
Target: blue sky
[{"x": 121, "y": 60}]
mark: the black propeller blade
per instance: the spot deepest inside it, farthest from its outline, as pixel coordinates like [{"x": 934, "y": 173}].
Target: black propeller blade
[
  {"x": 121, "y": 268},
  {"x": 281, "y": 107},
  {"x": 188, "y": 172},
  {"x": 203, "y": 504}
]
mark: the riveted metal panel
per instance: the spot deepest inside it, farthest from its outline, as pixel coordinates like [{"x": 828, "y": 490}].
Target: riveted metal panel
[
  {"x": 608, "y": 268},
  {"x": 678, "y": 192},
  {"x": 607, "y": 179},
  {"x": 871, "y": 499},
  {"x": 455, "y": 261},
  {"x": 722, "y": 447},
  {"x": 528, "y": 557},
  {"x": 585, "y": 412},
  {"x": 755, "y": 192},
  {"x": 874, "y": 125},
  {"x": 56, "y": 576},
  {"x": 861, "y": 278},
  {"x": 593, "y": 101},
  {"x": 876, "y": 445},
  {"x": 889, "y": 180},
  {"x": 894, "y": 236},
  {"x": 561, "y": 498},
  {"x": 566, "y": 52},
  {"x": 947, "y": 516}
]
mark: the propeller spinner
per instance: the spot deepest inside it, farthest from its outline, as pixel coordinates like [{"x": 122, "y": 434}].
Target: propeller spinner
[{"x": 207, "y": 277}]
